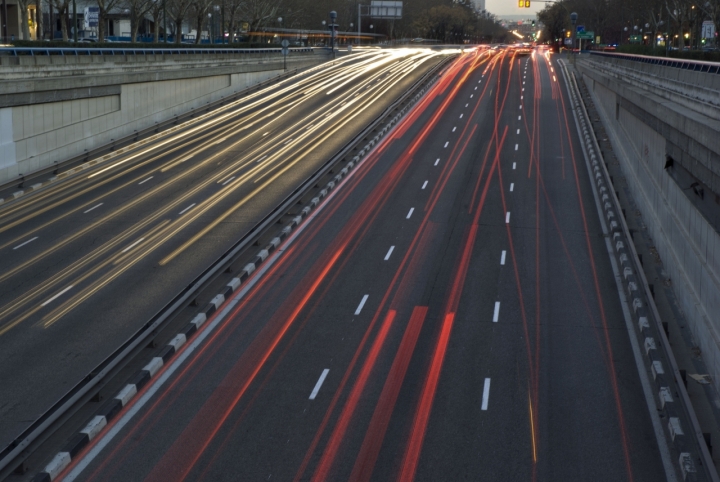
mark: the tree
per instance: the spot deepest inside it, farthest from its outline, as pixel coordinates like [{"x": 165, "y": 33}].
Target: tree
[
  {"x": 711, "y": 8},
  {"x": 24, "y": 29},
  {"x": 62, "y": 7},
  {"x": 177, "y": 10},
  {"x": 199, "y": 9},
  {"x": 156, "y": 11},
  {"x": 138, "y": 9},
  {"x": 39, "y": 19},
  {"x": 259, "y": 12},
  {"x": 104, "y": 8},
  {"x": 555, "y": 20}
]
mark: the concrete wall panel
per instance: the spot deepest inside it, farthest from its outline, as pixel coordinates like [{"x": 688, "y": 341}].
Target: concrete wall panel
[{"x": 687, "y": 243}]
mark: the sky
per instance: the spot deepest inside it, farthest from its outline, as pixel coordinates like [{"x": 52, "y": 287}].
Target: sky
[{"x": 504, "y": 8}]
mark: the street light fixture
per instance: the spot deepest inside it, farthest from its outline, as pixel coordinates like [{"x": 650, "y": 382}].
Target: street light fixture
[{"x": 209, "y": 27}]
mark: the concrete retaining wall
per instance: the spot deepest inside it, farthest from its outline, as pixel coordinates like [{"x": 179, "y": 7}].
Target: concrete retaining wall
[
  {"x": 88, "y": 111},
  {"x": 687, "y": 242}
]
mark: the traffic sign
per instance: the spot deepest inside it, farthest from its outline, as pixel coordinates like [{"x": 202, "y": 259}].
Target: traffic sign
[
  {"x": 580, "y": 28},
  {"x": 285, "y": 50},
  {"x": 285, "y": 43},
  {"x": 585, "y": 35}
]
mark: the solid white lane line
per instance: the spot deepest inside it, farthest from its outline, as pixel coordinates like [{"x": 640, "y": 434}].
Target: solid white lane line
[
  {"x": 507, "y": 217},
  {"x": 514, "y": 164},
  {"x": 502, "y": 258},
  {"x": 319, "y": 383},
  {"x": 187, "y": 209},
  {"x": 496, "y": 313},
  {"x": 436, "y": 161},
  {"x": 133, "y": 245},
  {"x": 486, "y": 394},
  {"x": 410, "y": 213},
  {"x": 57, "y": 296},
  {"x": 146, "y": 180},
  {"x": 446, "y": 144},
  {"x": 512, "y": 186},
  {"x": 518, "y": 131},
  {"x": 424, "y": 185},
  {"x": 362, "y": 303},
  {"x": 516, "y": 147},
  {"x": 26, "y": 242},
  {"x": 454, "y": 129},
  {"x": 387, "y": 256},
  {"x": 94, "y": 207},
  {"x": 228, "y": 180}
]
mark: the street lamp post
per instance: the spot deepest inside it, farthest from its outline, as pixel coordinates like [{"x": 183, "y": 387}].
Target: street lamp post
[
  {"x": 573, "y": 21},
  {"x": 216, "y": 9},
  {"x": 209, "y": 28},
  {"x": 333, "y": 26}
]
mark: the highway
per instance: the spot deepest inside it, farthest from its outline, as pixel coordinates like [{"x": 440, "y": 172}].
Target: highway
[
  {"x": 87, "y": 260},
  {"x": 448, "y": 313}
]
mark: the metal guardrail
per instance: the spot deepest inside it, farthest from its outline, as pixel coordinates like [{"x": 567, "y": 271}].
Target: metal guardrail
[
  {"x": 74, "y": 51},
  {"x": 694, "y": 65}
]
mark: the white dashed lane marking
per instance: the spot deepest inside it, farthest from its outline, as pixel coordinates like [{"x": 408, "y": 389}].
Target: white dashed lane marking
[
  {"x": 26, "y": 242},
  {"x": 496, "y": 313},
  {"x": 94, "y": 207},
  {"x": 486, "y": 395},
  {"x": 362, "y": 303},
  {"x": 57, "y": 296},
  {"x": 319, "y": 383}
]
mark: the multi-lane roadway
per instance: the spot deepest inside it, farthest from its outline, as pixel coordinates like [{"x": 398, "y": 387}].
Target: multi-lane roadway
[
  {"x": 449, "y": 313},
  {"x": 87, "y": 260}
]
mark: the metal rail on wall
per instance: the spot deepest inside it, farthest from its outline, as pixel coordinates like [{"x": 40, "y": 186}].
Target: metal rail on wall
[
  {"x": 72, "y": 51},
  {"x": 695, "y": 65}
]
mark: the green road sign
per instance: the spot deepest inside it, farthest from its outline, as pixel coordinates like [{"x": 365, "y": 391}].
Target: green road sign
[{"x": 585, "y": 35}]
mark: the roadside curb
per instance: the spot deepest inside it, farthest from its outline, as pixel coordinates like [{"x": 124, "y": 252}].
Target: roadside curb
[{"x": 114, "y": 406}]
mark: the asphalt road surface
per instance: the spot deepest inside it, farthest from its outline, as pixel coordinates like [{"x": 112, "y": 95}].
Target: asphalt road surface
[
  {"x": 85, "y": 262},
  {"x": 449, "y": 313}
]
